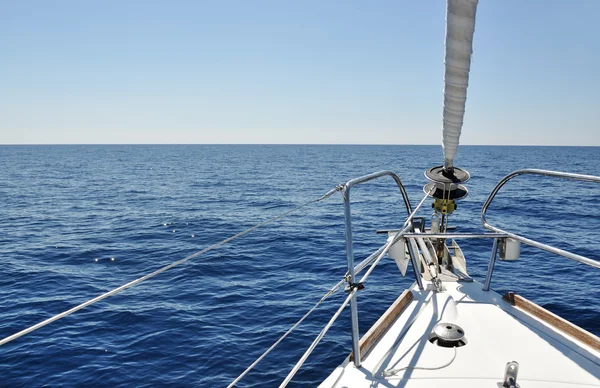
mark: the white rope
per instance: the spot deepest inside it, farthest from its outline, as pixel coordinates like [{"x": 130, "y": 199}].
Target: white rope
[
  {"x": 390, "y": 374},
  {"x": 161, "y": 270},
  {"x": 327, "y": 295}
]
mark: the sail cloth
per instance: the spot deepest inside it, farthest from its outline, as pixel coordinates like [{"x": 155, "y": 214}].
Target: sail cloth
[{"x": 460, "y": 26}]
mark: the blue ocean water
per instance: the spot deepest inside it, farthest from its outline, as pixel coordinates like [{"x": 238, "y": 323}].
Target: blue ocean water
[{"x": 68, "y": 211}]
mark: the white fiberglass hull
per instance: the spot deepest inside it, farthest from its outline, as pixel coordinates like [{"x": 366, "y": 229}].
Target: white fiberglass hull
[{"x": 496, "y": 332}]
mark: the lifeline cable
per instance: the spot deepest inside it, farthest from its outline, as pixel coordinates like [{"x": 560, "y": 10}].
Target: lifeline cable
[
  {"x": 327, "y": 295},
  {"x": 318, "y": 339},
  {"x": 161, "y": 270},
  {"x": 377, "y": 257},
  {"x": 357, "y": 270}
]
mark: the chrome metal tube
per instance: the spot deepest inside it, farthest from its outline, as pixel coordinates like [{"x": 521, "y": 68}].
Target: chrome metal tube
[
  {"x": 316, "y": 341},
  {"x": 360, "y": 266},
  {"x": 414, "y": 255},
  {"x": 455, "y": 235},
  {"x": 379, "y": 174},
  {"x": 408, "y": 225},
  {"x": 385, "y": 250},
  {"x": 548, "y": 248},
  {"x": 350, "y": 249},
  {"x": 488, "y": 277},
  {"x": 432, "y": 266},
  {"x": 350, "y": 257},
  {"x": 426, "y": 252}
]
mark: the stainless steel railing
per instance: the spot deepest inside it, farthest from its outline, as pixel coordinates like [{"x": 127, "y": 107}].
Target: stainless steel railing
[
  {"x": 545, "y": 247},
  {"x": 408, "y": 232},
  {"x": 350, "y": 245}
]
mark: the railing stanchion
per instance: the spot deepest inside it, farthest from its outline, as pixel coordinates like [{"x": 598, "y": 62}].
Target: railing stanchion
[
  {"x": 488, "y": 277},
  {"x": 414, "y": 257},
  {"x": 352, "y": 279},
  {"x": 533, "y": 243}
]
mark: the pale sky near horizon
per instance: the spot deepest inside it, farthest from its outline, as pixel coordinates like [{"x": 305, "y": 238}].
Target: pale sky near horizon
[{"x": 348, "y": 72}]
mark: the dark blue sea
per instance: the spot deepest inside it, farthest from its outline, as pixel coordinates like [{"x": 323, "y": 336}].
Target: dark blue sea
[{"x": 68, "y": 211}]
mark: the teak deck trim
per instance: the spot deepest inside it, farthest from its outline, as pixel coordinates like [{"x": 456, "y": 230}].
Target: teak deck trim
[
  {"x": 376, "y": 331},
  {"x": 553, "y": 320}
]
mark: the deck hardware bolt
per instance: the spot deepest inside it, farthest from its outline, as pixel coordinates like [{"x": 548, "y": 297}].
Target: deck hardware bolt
[{"x": 510, "y": 375}]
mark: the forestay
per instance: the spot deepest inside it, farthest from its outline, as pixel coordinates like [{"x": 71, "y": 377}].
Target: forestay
[{"x": 460, "y": 26}]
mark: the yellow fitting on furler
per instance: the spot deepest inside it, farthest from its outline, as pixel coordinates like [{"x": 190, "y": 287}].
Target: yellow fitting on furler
[{"x": 444, "y": 206}]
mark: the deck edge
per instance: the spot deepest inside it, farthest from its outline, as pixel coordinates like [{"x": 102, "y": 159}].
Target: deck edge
[
  {"x": 553, "y": 320},
  {"x": 376, "y": 331}
]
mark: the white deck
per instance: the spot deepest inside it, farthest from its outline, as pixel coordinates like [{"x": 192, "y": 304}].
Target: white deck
[{"x": 496, "y": 333}]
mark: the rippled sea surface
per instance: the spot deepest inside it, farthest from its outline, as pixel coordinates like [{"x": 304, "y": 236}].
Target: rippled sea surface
[{"x": 78, "y": 221}]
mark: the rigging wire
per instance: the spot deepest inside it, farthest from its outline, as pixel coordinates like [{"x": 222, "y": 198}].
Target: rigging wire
[
  {"x": 163, "y": 269},
  {"x": 327, "y": 295},
  {"x": 318, "y": 339},
  {"x": 358, "y": 269},
  {"x": 380, "y": 254},
  {"x": 405, "y": 229},
  {"x": 353, "y": 291}
]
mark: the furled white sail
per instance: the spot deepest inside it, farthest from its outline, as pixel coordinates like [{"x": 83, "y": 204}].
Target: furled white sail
[{"x": 460, "y": 26}]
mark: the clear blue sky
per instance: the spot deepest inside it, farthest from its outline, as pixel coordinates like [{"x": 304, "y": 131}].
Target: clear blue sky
[{"x": 292, "y": 72}]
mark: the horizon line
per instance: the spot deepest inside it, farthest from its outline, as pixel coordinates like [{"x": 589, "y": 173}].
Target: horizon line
[{"x": 290, "y": 144}]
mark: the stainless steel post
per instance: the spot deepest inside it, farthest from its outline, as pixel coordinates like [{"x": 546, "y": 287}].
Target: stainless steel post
[
  {"x": 488, "y": 277},
  {"x": 350, "y": 250},
  {"x": 350, "y": 256},
  {"x": 414, "y": 257}
]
